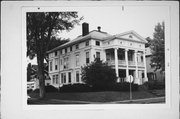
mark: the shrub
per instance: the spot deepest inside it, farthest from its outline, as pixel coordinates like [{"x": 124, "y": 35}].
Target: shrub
[
  {"x": 98, "y": 75},
  {"x": 75, "y": 88},
  {"x": 154, "y": 85},
  {"x": 49, "y": 88},
  {"x": 125, "y": 86}
]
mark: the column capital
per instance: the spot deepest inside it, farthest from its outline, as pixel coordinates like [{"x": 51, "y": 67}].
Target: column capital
[
  {"x": 126, "y": 49},
  {"x": 115, "y": 48},
  {"x": 135, "y": 51}
]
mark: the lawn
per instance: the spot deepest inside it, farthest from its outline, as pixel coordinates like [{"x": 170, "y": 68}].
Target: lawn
[{"x": 99, "y": 97}]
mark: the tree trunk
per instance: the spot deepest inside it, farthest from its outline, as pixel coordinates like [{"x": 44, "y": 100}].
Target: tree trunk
[{"x": 41, "y": 77}]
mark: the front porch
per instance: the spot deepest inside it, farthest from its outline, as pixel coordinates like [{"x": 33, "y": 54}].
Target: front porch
[
  {"x": 127, "y": 62},
  {"x": 123, "y": 78}
]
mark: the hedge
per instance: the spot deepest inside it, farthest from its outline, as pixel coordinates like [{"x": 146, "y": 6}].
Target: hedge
[
  {"x": 49, "y": 88},
  {"x": 86, "y": 88},
  {"x": 154, "y": 85}
]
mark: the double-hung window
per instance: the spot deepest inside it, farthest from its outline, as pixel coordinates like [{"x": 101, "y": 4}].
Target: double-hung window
[
  {"x": 98, "y": 55},
  {"x": 77, "y": 59},
  {"x": 50, "y": 66},
  {"x": 56, "y": 64},
  {"x": 87, "y": 57}
]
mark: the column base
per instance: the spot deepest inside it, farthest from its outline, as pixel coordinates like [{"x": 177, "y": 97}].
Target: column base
[
  {"x": 118, "y": 79},
  {"x": 145, "y": 80},
  {"x": 137, "y": 81}
]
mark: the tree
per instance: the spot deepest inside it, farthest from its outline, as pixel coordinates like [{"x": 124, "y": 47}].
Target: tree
[
  {"x": 29, "y": 72},
  {"x": 157, "y": 48},
  {"x": 55, "y": 42},
  {"x": 41, "y": 27},
  {"x": 98, "y": 74}
]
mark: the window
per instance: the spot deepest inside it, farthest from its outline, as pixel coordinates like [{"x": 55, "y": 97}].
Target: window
[
  {"x": 77, "y": 46},
  {"x": 54, "y": 79},
  {"x": 50, "y": 65},
  {"x": 56, "y": 53},
  {"x": 66, "y": 63},
  {"x": 97, "y": 43},
  {"x": 77, "y": 76},
  {"x": 87, "y": 43},
  {"x": 60, "y": 51},
  {"x": 57, "y": 79},
  {"x": 56, "y": 64},
  {"x": 69, "y": 77},
  {"x": 77, "y": 60},
  {"x": 70, "y": 48},
  {"x": 61, "y": 61},
  {"x": 98, "y": 55},
  {"x": 87, "y": 57},
  {"x": 66, "y": 50},
  {"x": 63, "y": 78}
]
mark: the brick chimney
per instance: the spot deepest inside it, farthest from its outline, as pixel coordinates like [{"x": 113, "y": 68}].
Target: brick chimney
[
  {"x": 99, "y": 28},
  {"x": 85, "y": 29}
]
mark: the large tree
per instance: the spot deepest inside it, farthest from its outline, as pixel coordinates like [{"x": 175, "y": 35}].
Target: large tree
[
  {"x": 41, "y": 27},
  {"x": 157, "y": 46}
]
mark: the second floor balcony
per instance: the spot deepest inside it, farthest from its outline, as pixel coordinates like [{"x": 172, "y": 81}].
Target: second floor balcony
[{"x": 123, "y": 63}]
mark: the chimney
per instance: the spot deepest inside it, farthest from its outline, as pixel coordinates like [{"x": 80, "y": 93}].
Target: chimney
[
  {"x": 85, "y": 29},
  {"x": 99, "y": 29}
]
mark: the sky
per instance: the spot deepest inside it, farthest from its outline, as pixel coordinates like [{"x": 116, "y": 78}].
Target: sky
[{"x": 114, "y": 20}]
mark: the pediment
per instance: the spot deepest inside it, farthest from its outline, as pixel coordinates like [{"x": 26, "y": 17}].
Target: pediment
[{"x": 131, "y": 35}]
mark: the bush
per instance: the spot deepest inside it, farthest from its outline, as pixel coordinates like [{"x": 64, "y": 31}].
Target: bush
[
  {"x": 49, "y": 88},
  {"x": 154, "y": 85},
  {"x": 75, "y": 88},
  {"x": 125, "y": 86},
  {"x": 98, "y": 75},
  {"x": 86, "y": 88}
]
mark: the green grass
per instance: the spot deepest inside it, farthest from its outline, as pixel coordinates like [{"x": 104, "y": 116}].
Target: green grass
[{"x": 106, "y": 96}]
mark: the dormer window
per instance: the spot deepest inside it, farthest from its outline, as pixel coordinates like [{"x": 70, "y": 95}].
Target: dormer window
[{"x": 97, "y": 43}]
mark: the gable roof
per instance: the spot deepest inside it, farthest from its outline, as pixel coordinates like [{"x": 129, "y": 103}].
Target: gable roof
[
  {"x": 103, "y": 36},
  {"x": 125, "y": 36},
  {"x": 92, "y": 35}
]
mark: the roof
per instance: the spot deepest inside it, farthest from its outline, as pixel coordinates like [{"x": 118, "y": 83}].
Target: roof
[
  {"x": 103, "y": 36},
  {"x": 98, "y": 35}
]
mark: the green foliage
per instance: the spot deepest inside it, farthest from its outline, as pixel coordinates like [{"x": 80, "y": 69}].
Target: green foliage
[
  {"x": 157, "y": 47},
  {"x": 98, "y": 74}
]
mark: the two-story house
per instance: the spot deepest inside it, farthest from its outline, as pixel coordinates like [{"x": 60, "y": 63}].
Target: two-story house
[{"x": 125, "y": 52}]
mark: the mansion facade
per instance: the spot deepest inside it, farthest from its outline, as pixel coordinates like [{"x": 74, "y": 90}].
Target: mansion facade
[{"x": 124, "y": 52}]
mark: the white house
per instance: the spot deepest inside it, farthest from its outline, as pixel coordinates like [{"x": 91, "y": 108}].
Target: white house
[{"x": 125, "y": 52}]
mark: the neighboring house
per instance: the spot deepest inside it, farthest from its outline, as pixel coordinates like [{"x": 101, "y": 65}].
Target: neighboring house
[
  {"x": 151, "y": 73},
  {"x": 125, "y": 52},
  {"x": 34, "y": 82}
]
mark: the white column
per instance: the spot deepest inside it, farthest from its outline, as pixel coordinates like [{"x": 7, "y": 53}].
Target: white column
[
  {"x": 136, "y": 71},
  {"x": 145, "y": 70},
  {"x": 126, "y": 59},
  {"x": 116, "y": 62}
]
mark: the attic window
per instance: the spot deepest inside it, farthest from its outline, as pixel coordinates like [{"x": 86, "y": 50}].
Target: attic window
[{"x": 130, "y": 36}]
